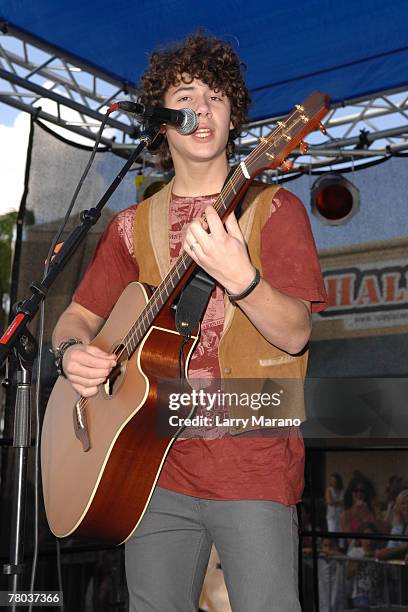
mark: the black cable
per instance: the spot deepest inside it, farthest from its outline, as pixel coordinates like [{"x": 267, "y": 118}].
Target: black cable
[
  {"x": 39, "y": 362},
  {"x": 76, "y": 193},
  {"x": 59, "y": 570}
]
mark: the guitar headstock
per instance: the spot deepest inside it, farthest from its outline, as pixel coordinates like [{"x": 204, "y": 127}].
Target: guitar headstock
[{"x": 288, "y": 134}]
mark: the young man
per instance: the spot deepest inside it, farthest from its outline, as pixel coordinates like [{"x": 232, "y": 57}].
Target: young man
[{"x": 236, "y": 491}]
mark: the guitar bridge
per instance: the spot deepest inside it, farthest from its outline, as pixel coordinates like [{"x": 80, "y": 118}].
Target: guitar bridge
[{"x": 81, "y": 424}]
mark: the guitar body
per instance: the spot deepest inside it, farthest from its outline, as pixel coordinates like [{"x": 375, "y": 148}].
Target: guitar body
[{"x": 104, "y": 491}]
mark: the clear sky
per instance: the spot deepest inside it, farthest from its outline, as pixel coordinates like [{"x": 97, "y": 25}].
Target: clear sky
[{"x": 14, "y": 129}]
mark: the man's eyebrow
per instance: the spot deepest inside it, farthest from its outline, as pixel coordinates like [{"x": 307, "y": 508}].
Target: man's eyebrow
[{"x": 183, "y": 88}]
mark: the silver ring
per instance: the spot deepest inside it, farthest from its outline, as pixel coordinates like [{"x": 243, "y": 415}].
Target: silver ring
[{"x": 192, "y": 245}]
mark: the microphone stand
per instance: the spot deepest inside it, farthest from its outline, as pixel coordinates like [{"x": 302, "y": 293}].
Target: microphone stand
[{"x": 18, "y": 339}]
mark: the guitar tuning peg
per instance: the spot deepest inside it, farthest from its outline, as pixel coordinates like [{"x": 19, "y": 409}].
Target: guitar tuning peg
[
  {"x": 322, "y": 128},
  {"x": 286, "y": 165},
  {"x": 304, "y": 147}
]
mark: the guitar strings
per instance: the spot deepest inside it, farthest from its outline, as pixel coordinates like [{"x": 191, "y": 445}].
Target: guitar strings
[
  {"x": 140, "y": 327},
  {"x": 185, "y": 260}
]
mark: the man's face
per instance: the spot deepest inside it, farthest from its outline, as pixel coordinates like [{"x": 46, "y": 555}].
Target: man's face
[{"x": 213, "y": 109}]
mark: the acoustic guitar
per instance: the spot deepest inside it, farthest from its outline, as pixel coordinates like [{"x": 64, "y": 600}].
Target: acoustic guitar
[{"x": 101, "y": 456}]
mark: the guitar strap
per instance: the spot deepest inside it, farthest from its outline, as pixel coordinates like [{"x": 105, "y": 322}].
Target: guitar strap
[{"x": 193, "y": 301}]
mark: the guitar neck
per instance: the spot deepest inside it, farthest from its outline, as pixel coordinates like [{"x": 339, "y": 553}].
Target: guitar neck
[{"x": 172, "y": 284}]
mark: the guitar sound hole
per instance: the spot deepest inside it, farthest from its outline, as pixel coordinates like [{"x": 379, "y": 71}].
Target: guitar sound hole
[{"x": 117, "y": 374}]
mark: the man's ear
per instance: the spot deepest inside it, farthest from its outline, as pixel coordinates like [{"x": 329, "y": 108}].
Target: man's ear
[{"x": 163, "y": 130}]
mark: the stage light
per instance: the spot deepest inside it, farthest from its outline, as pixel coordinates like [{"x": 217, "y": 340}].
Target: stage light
[{"x": 334, "y": 200}]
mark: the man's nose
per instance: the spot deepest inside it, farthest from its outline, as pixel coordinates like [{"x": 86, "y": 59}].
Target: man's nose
[{"x": 202, "y": 108}]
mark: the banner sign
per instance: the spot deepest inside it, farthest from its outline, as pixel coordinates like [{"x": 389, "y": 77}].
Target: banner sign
[{"x": 367, "y": 287}]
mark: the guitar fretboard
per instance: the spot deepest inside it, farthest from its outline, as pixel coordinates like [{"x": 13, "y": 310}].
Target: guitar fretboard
[{"x": 179, "y": 269}]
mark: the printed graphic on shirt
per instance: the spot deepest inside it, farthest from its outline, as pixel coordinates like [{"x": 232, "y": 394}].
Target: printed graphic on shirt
[
  {"x": 125, "y": 221},
  {"x": 204, "y": 361}
]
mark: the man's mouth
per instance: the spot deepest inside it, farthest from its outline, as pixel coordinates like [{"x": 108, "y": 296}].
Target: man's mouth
[{"x": 203, "y": 132}]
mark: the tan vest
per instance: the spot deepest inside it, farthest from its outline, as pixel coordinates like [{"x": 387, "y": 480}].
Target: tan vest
[{"x": 243, "y": 352}]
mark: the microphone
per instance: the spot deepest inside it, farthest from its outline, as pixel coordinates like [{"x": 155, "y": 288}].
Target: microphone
[{"x": 184, "y": 120}]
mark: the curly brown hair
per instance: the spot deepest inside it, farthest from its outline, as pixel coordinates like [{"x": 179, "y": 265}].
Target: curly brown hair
[{"x": 209, "y": 59}]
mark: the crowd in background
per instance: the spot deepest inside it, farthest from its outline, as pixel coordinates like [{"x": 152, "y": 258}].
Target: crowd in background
[{"x": 358, "y": 581}]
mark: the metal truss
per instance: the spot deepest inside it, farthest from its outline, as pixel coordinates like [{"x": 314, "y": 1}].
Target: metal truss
[
  {"x": 38, "y": 79},
  {"x": 34, "y": 75},
  {"x": 357, "y": 132}
]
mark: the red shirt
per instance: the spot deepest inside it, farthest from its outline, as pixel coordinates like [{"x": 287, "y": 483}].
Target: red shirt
[{"x": 260, "y": 466}]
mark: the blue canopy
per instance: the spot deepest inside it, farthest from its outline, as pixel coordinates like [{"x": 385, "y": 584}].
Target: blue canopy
[{"x": 348, "y": 49}]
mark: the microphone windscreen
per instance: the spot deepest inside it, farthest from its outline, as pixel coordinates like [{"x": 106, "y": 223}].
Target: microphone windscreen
[{"x": 190, "y": 122}]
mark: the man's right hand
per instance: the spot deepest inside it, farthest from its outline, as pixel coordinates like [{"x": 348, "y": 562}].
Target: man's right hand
[{"x": 86, "y": 367}]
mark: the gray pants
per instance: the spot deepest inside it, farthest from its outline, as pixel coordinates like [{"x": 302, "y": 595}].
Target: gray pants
[{"x": 257, "y": 542}]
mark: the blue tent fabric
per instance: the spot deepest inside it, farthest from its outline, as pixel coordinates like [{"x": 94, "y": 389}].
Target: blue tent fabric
[{"x": 348, "y": 49}]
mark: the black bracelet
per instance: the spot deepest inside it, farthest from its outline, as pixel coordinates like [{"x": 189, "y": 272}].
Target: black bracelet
[
  {"x": 59, "y": 353},
  {"x": 234, "y": 297}
]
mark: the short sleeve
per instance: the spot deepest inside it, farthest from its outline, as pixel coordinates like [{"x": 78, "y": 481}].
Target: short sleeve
[
  {"x": 288, "y": 252},
  {"x": 112, "y": 268}
]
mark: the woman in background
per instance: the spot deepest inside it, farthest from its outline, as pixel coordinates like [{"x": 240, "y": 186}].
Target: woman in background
[
  {"x": 397, "y": 549},
  {"x": 358, "y": 508}
]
